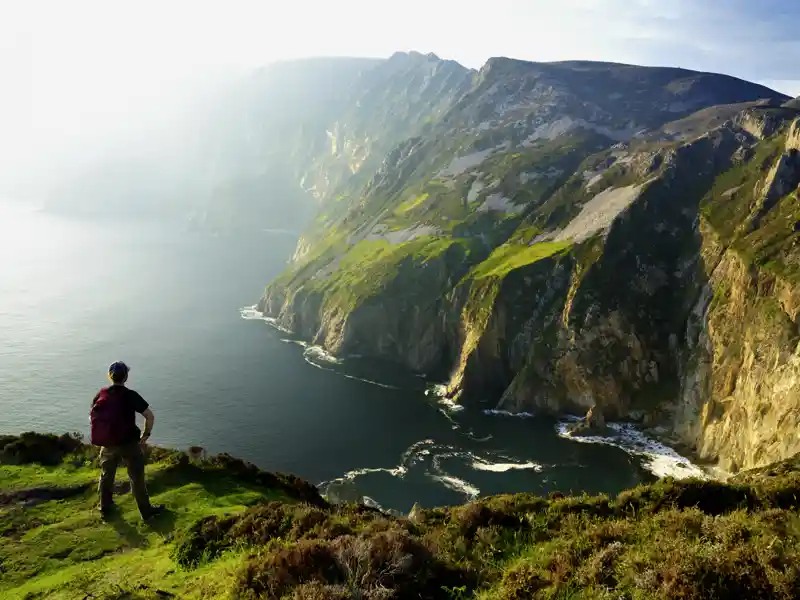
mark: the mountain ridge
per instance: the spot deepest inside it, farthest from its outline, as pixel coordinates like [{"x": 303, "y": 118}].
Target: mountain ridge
[
  {"x": 482, "y": 249},
  {"x": 224, "y": 154}
]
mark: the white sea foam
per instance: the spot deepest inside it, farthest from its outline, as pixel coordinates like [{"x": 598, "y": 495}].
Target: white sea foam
[
  {"x": 398, "y": 471},
  {"x": 430, "y": 456},
  {"x": 371, "y": 502},
  {"x": 272, "y": 322},
  {"x": 314, "y": 355},
  {"x": 439, "y": 391},
  {"x": 659, "y": 459},
  {"x": 319, "y": 353},
  {"x": 452, "y": 482},
  {"x": 505, "y": 413},
  {"x": 416, "y": 450},
  {"x": 409, "y": 458},
  {"x": 450, "y": 406},
  {"x": 482, "y": 465},
  {"x": 251, "y": 313},
  {"x": 456, "y": 484}
]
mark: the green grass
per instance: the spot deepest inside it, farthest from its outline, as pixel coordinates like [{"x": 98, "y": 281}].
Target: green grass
[
  {"x": 230, "y": 535},
  {"x": 411, "y": 203},
  {"x": 369, "y": 266},
  {"x": 509, "y": 257},
  {"x": 423, "y": 199},
  {"x": 13, "y": 477},
  {"x": 62, "y": 548}
]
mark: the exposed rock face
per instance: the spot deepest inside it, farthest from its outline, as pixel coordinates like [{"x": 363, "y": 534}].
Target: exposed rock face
[
  {"x": 594, "y": 423},
  {"x": 416, "y": 515},
  {"x": 793, "y": 137},
  {"x": 649, "y": 265},
  {"x": 760, "y": 123},
  {"x": 740, "y": 402}
]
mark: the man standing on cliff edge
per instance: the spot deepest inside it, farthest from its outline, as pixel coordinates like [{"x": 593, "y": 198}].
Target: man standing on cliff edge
[{"x": 113, "y": 419}]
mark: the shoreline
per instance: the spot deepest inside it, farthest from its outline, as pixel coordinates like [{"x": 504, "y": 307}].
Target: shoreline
[{"x": 659, "y": 455}]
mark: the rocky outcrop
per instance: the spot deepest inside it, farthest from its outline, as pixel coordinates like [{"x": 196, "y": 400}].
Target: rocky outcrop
[
  {"x": 793, "y": 137},
  {"x": 782, "y": 179},
  {"x": 760, "y": 123}
]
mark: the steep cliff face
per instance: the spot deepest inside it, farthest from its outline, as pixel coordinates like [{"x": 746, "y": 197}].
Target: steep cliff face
[
  {"x": 606, "y": 339},
  {"x": 740, "y": 401},
  {"x": 384, "y": 301},
  {"x": 559, "y": 239}
]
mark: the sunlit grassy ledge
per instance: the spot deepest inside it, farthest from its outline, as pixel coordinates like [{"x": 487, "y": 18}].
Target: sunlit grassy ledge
[{"x": 234, "y": 531}]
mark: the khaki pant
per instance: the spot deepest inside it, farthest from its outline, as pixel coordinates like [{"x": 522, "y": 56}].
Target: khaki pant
[{"x": 133, "y": 457}]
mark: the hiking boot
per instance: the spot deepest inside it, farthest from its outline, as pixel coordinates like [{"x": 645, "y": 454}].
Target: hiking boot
[
  {"x": 107, "y": 511},
  {"x": 153, "y": 511}
]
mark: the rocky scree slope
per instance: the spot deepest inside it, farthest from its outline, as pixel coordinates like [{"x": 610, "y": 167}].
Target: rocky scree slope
[
  {"x": 233, "y": 531},
  {"x": 583, "y": 238}
]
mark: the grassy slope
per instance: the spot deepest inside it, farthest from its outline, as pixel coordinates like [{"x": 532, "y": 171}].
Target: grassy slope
[
  {"x": 60, "y": 548},
  {"x": 509, "y": 257},
  {"x": 433, "y": 201},
  {"x": 666, "y": 540},
  {"x": 370, "y": 265}
]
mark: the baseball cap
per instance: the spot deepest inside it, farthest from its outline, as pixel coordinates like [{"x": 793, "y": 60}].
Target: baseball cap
[{"x": 119, "y": 369}]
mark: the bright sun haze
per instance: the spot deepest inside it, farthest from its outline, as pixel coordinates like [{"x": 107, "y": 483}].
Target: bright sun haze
[{"x": 91, "y": 72}]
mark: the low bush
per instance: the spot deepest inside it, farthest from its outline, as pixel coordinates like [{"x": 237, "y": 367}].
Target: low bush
[
  {"x": 257, "y": 526},
  {"x": 44, "y": 449},
  {"x": 389, "y": 564}
]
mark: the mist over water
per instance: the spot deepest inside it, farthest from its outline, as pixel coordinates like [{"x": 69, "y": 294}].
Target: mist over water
[{"x": 77, "y": 294}]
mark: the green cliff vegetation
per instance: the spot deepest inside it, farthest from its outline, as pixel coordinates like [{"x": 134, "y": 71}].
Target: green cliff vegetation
[
  {"x": 508, "y": 257},
  {"x": 233, "y": 531},
  {"x": 369, "y": 265},
  {"x": 763, "y": 230}
]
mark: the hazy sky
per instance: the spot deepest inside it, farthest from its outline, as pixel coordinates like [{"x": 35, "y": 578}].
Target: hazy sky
[{"x": 71, "y": 68}]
